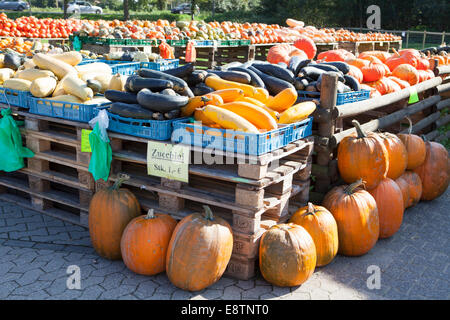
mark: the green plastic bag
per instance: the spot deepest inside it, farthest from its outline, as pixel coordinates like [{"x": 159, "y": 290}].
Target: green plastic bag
[
  {"x": 101, "y": 157},
  {"x": 11, "y": 147}
]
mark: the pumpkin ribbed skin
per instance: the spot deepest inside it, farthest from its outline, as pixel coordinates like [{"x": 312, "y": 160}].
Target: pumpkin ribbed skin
[
  {"x": 144, "y": 243},
  {"x": 407, "y": 73},
  {"x": 110, "y": 211},
  {"x": 287, "y": 255},
  {"x": 356, "y": 215},
  {"x": 411, "y": 187},
  {"x": 434, "y": 171},
  {"x": 389, "y": 199},
  {"x": 363, "y": 156},
  {"x": 199, "y": 252},
  {"x": 398, "y": 156},
  {"x": 415, "y": 148},
  {"x": 321, "y": 226}
]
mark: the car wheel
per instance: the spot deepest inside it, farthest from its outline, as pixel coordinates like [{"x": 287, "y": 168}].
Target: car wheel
[
  {"x": 98, "y": 12},
  {"x": 76, "y": 10}
]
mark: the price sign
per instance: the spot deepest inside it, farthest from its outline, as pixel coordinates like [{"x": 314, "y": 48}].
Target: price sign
[
  {"x": 413, "y": 96},
  {"x": 169, "y": 161},
  {"x": 85, "y": 145}
]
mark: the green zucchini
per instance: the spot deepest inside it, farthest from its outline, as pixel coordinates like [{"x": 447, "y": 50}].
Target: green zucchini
[
  {"x": 169, "y": 92},
  {"x": 202, "y": 89},
  {"x": 172, "y": 114},
  {"x": 120, "y": 96},
  {"x": 179, "y": 85},
  {"x": 352, "y": 83},
  {"x": 196, "y": 77},
  {"x": 342, "y": 66},
  {"x": 95, "y": 85},
  {"x": 160, "y": 102},
  {"x": 134, "y": 111},
  {"x": 255, "y": 80},
  {"x": 235, "y": 76},
  {"x": 137, "y": 83},
  {"x": 275, "y": 71},
  {"x": 274, "y": 85},
  {"x": 181, "y": 72}
]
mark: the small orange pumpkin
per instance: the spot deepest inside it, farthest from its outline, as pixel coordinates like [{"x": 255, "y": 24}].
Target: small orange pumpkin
[
  {"x": 398, "y": 156},
  {"x": 411, "y": 187}
]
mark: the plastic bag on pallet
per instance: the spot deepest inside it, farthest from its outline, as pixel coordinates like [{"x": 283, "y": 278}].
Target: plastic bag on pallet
[
  {"x": 101, "y": 157},
  {"x": 11, "y": 147}
]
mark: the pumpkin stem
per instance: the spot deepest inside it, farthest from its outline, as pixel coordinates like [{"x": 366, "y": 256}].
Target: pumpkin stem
[
  {"x": 424, "y": 137},
  {"x": 352, "y": 187},
  {"x": 358, "y": 128},
  {"x": 208, "y": 213},
  {"x": 410, "y": 125},
  {"x": 121, "y": 179},
  {"x": 311, "y": 209},
  {"x": 150, "y": 214}
]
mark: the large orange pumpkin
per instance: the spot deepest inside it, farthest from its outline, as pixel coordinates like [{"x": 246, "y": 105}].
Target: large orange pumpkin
[
  {"x": 322, "y": 227},
  {"x": 110, "y": 210},
  {"x": 356, "y": 215},
  {"x": 307, "y": 45},
  {"x": 415, "y": 148},
  {"x": 398, "y": 156},
  {"x": 382, "y": 55},
  {"x": 363, "y": 156},
  {"x": 385, "y": 86},
  {"x": 144, "y": 243},
  {"x": 390, "y": 207},
  {"x": 199, "y": 251},
  {"x": 287, "y": 255},
  {"x": 283, "y": 53},
  {"x": 434, "y": 171},
  {"x": 407, "y": 73},
  {"x": 373, "y": 72},
  {"x": 411, "y": 187}
]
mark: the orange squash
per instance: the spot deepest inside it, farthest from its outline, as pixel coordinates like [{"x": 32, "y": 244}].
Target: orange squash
[
  {"x": 229, "y": 95},
  {"x": 283, "y": 100}
]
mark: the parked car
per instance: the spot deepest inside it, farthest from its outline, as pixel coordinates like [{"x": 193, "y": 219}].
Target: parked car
[
  {"x": 14, "y": 5},
  {"x": 83, "y": 7},
  {"x": 182, "y": 8}
]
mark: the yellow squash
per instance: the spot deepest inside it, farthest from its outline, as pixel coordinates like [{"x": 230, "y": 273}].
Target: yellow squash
[
  {"x": 218, "y": 84},
  {"x": 283, "y": 100},
  {"x": 297, "y": 112},
  {"x": 256, "y": 115},
  {"x": 228, "y": 119}
]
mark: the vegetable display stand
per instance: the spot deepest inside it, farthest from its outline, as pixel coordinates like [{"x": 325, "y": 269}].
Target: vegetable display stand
[
  {"x": 15, "y": 98},
  {"x": 322, "y": 47},
  {"x": 361, "y": 46},
  {"x": 56, "y": 180},
  {"x": 109, "y": 48}
]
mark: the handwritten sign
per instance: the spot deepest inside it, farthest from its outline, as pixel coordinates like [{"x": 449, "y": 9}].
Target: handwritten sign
[
  {"x": 168, "y": 161},
  {"x": 85, "y": 145},
  {"x": 413, "y": 96}
]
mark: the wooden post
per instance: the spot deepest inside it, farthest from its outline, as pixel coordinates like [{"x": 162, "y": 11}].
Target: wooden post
[
  {"x": 407, "y": 38},
  {"x": 424, "y": 37},
  {"x": 443, "y": 38}
]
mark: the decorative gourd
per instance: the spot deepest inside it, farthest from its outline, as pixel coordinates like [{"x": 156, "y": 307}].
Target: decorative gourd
[
  {"x": 321, "y": 226},
  {"x": 43, "y": 87},
  {"x": 256, "y": 115},
  {"x": 415, "y": 147},
  {"x": 363, "y": 156},
  {"x": 77, "y": 87},
  {"x": 406, "y": 72},
  {"x": 356, "y": 215},
  {"x": 434, "y": 172},
  {"x": 110, "y": 211},
  {"x": 411, "y": 187},
  {"x": 373, "y": 72},
  {"x": 389, "y": 199},
  {"x": 228, "y": 119},
  {"x": 58, "y": 67},
  {"x": 287, "y": 255},
  {"x": 283, "y": 100},
  {"x": 297, "y": 112},
  {"x": 307, "y": 45},
  {"x": 398, "y": 156},
  {"x": 145, "y": 241},
  {"x": 199, "y": 251}
]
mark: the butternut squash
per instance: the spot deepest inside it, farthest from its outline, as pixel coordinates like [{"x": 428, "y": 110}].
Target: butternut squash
[
  {"x": 283, "y": 100},
  {"x": 43, "y": 87},
  {"x": 256, "y": 115},
  {"x": 117, "y": 82},
  {"x": 33, "y": 74},
  {"x": 29, "y": 64},
  {"x": 297, "y": 112},
  {"x": 97, "y": 100},
  {"x": 230, "y": 95},
  {"x": 217, "y": 84},
  {"x": 17, "y": 84},
  {"x": 73, "y": 57},
  {"x": 66, "y": 98},
  {"x": 58, "y": 67},
  {"x": 228, "y": 119},
  {"x": 5, "y": 74},
  {"x": 77, "y": 87},
  {"x": 97, "y": 67}
]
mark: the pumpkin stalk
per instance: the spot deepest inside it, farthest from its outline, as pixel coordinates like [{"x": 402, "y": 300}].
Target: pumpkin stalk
[
  {"x": 410, "y": 125},
  {"x": 208, "y": 213},
  {"x": 352, "y": 187},
  {"x": 358, "y": 128},
  {"x": 311, "y": 209},
  {"x": 121, "y": 179},
  {"x": 150, "y": 214}
]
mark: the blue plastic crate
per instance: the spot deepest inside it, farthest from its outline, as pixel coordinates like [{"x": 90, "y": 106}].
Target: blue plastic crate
[
  {"x": 14, "y": 97},
  {"x": 65, "y": 110},
  {"x": 230, "y": 140},
  {"x": 300, "y": 130},
  {"x": 161, "y": 65},
  {"x": 204, "y": 43},
  {"x": 125, "y": 68},
  {"x": 149, "y": 129},
  {"x": 342, "y": 98}
]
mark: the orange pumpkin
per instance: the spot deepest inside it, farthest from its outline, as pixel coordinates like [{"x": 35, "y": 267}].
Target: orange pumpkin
[
  {"x": 416, "y": 149},
  {"x": 356, "y": 73},
  {"x": 434, "y": 172},
  {"x": 385, "y": 86},
  {"x": 199, "y": 251},
  {"x": 283, "y": 53},
  {"x": 363, "y": 156},
  {"x": 287, "y": 255},
  {"x": 373, "y": 72},
  {"x": 356, "y": 215},
  {"x": 398, "y": 156},
  {"x": 407, "y": 73},
  {"x": 390, "y": 207},
  {"x": 402, "y": 83},
  {"x": 411, "y": 187},
  {"x": 322, "y": 227},
  {"x": 144, "y": 243},
  {"x": 381, "y": 55},
  {"x": 307, "y": 45},
  {"x": 110, "y": 210}
]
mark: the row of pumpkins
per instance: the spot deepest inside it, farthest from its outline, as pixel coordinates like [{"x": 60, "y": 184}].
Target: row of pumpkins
[{"x": 397, "y": 170}]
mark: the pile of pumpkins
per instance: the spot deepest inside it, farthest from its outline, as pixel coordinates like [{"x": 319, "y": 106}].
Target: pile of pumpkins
[{"x": 386, "y": 174}]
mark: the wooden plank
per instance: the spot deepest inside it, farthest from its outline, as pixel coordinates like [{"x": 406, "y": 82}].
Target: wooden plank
[{"x": 423, "y": 123}]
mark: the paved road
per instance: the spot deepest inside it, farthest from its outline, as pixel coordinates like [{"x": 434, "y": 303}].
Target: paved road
[{"x": 35, "y": 251}]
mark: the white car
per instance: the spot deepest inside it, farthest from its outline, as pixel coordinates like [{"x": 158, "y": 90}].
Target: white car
[{"x": 83, "y": 7}]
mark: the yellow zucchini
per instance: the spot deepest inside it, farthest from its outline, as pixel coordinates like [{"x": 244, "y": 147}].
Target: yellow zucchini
[
  {"x": 77, "y": 87},
  {"x": 297, "y": 112},
  {"x": 200, "y": 116},
  {"x": 5, "y": 74},
  {"x": 17, "y": 84},
  {"x": 258, "y": 103},
  {"x": 283, "y": 100},
  {"x": 218, "y": 84},
  {"x": 228, "y": 119},
  {"x": 33, "y": 74},
  {"x": 256, "y": 115},
  {"x": 58, "y": 67},
  {"x": 43, "y": 87},
  {"x": 73, "y": 57}
]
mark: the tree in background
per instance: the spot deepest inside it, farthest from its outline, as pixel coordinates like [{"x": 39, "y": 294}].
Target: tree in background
[{"x": 126, "y": 12}]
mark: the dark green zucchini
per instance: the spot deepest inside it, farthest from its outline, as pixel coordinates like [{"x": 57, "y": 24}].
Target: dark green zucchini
[
  {"x": 303, "y": 99},
  {"x": 326, "y": 67},
  {"x": 169, "y": 92},
  {"x": 338, "y": 74},
  {"x": 127, "y": 110},
  {"x": 160, "y": 102},
  {"x": 95, "y": 85},
  {"x": 158, "y": 116},
  {"x": 294, "y": 63},
  {"x": 342, "y": 66},
  {"x": 179, "y": 85},
  {"x": 137, "y": 83},
  {"x": 273, "y": 85},
  {"x": 235, "y": 76},
  {"x": 120, "y": 96},
  {"x": 311, "y": 72},
  {"x": 444, "y": 48},
  {"x": 196, "y": 77},
  {"x": 275, "y": 71},
  {"x": 432, "y": 50},
  {"x": 172, "y": 114},
  {"x": 352, "y": 83},
  {"x": 202, "y": 89},
  {"x": 300, "y": 83},
  {"x": 255, "y": 79},
  {"x": 342, "y": 88},
  {"x": 181, "y": 72},
  {"x": 302, "y": 64},
  {"x": 282, "y": 64},
  {"x": 229, "y": 65},
  {"x": 311, "y": 87}
]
